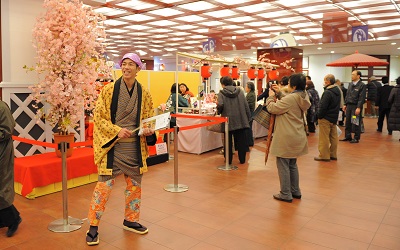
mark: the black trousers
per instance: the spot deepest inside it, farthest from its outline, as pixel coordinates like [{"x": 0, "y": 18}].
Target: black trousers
[
  {"x": 249, "y": 134},
  {"x": 241, "y": 145},
  {"x": 382, "y": 114},
  {"x": 350, "y": 111},
  {"x": 8, "y": 216}
]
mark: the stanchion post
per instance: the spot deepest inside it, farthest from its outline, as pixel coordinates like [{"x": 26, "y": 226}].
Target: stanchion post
[
  {"x": 66, "y": 224},
  {"x": 227, "y": 166},
  {"x": 176, "y": 188}
]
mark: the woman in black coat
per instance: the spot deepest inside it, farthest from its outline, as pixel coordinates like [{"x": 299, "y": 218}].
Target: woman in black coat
[
  {"x": 394, "y": 100},
  {"x": 251, "y": 101}
]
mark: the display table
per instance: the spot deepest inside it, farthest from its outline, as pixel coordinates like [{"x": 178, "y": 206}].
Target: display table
[
  {"x": 258, "y": 130},
  {"x": 41, "y": 174},
  {"x": 197, "y": 140}
]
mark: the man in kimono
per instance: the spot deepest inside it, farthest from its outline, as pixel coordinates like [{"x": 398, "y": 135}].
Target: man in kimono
[
  {"x": 9, "y": 215},
  {"x": 117, "y": 149}
]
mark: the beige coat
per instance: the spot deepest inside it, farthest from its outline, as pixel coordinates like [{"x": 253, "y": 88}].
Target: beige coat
[{"x": 289, "y": 138}]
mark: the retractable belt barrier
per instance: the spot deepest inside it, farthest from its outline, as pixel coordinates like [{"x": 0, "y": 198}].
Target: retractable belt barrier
[
  {"x": 51, "y": 145},
  {"x": 215, "y": 120},
  {"x": 65, "y": 225}
]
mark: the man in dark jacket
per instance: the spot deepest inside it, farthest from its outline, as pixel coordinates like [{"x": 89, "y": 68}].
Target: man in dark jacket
[
  {"x": 372, "y": 89},
  {"x": 328, "y": 113},
  {"x": 383, "y": 104},
  {"x": 353, "y": 104}
]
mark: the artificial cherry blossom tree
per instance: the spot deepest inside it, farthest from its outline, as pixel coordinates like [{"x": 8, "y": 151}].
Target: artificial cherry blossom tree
[{"x": 69, "y": 40}]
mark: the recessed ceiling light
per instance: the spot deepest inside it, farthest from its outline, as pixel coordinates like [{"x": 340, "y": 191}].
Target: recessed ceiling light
[
  {"x": 393, "y": 43},
  {"x": 332, "y": 51},
  {"x": 319, "y": 48}
]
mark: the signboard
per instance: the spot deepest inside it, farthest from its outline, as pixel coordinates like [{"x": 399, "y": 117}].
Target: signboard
[
  {"x": 360, "y": 33},
  {"x": 283, "y": 40},
  {"x": 161, "y": 148},
  {"x": 209, "y": 46}
]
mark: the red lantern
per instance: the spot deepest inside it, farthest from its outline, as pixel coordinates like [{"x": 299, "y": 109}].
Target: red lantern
[
  {"x": 251, "y": 73},
  {"x": 235, "y": 72},
  {"x": 273, "y": 74},
  {"x": 205, "y": 71},
  {"x": 224, "y": 71},
  {"x": 260, "y": 73}
]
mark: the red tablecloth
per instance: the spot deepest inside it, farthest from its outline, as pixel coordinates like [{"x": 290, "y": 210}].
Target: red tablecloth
[{"x": 44, "y": 169}]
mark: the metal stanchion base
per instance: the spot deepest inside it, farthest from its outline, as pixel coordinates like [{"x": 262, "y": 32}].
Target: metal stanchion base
[
  {"x": 58, "y": 226},
  {"x": 176, "y": 188},
  {"x": 230, "y": 167},
  {"x": 171, "y": 157}
]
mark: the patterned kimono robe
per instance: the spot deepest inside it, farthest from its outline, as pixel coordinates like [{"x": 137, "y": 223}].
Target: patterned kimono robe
[{"x": 106, "y": 131}]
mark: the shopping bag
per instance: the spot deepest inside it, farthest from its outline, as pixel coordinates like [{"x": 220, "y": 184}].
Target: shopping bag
[
  {"x": 218, "y": 128},
  {"x": 339, "y": 132},
  {"x": 262, "y": 116},
  {"x": 355, "y": 119},
  {"x": 340, "y": 116}
]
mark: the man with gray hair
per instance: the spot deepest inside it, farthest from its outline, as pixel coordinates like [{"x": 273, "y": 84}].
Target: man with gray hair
[{"x": 327, "y": 114}]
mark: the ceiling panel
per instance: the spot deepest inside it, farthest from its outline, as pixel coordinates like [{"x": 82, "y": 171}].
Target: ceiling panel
[{"x": 159, "y": 27}]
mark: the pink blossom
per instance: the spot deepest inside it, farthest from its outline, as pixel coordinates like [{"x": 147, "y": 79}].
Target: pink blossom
[{"x": 70, "y": 58}]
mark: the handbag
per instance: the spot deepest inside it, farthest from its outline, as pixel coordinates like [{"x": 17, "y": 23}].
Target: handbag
[
  {"x": 218, "y": 128},
  {"x": 262, "y": 116}
]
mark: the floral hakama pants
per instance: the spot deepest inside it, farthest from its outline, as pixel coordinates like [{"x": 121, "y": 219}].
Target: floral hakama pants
[{"x": 101, "y": 194}]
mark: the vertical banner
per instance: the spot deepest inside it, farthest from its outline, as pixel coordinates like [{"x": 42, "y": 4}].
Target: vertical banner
[
  {"x": 209, "y": 46},
  {"x": 360, "y": 33}
]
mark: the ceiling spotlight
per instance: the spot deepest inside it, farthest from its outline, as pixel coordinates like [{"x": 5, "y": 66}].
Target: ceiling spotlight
[
  {"x": 319, "y": 48},
  {"x": 393, "y": 43},
  {"x": 332, "y": 51},
  {"x": 233, "y": 37}
]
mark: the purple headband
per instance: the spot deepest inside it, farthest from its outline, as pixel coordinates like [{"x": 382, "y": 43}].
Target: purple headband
[{"x": 134, "y": 58}]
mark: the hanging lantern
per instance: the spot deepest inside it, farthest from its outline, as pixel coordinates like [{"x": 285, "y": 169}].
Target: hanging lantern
[
  {"x": 261, "y": 73},
  {"x": 273, "y": 74},
  {"x": 235, "y": 72},
  {"x": 224, "y": 71},
  {"x": 205, "y": 71},
  {"x": 251, "y": 73}
]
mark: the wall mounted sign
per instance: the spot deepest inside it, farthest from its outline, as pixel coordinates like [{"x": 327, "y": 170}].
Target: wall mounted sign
[{"x": 360, "y": 33}]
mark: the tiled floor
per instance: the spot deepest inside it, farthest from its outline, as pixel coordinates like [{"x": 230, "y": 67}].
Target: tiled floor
[{"x": 353, "y": 203}]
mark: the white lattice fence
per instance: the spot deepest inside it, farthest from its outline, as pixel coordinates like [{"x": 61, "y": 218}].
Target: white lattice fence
[{"x": 17, "y": 97}]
